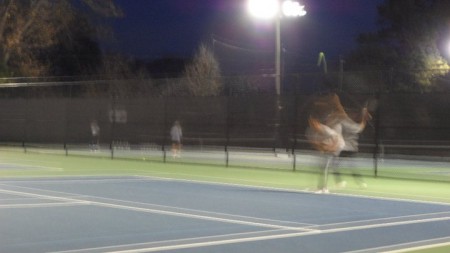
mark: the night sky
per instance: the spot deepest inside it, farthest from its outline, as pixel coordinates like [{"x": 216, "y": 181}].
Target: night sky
[{"x": 175, "y": 28}]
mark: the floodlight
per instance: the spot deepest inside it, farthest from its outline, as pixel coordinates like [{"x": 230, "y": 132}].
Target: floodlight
[
  {"x": 275, "y": 9},
  {"x": 293, "y": 9},
  {"x": 266, "y": 9}
]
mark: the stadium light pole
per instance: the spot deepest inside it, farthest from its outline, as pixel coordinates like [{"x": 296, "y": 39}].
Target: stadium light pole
[{"x": 274, "y": 9}]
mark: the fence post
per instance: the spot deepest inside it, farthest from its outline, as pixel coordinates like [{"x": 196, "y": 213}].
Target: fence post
[
  {"x": 27, "y": 121},
  {"x": 294, "y": 162},
  {"x": 377, "y": 133},
  {"x": 227, "y": 131},
  {"x": 164, "y": 125},
  {"x": 294, "y": 129},
  {"x": 113, "y": 124},
  {"x": 66, "y": 121}
]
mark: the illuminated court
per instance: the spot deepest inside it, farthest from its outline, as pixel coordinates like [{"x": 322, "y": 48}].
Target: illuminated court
[{"x": 151, "y": 214}]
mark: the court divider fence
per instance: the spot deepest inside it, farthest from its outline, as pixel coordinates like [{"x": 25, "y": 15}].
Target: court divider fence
[{"x": 412, "y": 125}]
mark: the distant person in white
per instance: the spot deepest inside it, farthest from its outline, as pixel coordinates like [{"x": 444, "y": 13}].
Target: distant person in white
[
  {"x": 95, "y": 131},
  {"x": 176, "y": 135}
]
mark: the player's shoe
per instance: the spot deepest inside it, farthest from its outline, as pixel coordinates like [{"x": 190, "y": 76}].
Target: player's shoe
[{"x": 322, "y": 191}]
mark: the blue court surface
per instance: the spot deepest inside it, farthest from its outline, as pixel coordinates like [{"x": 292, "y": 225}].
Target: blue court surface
[{"x": 150, "y": 214}]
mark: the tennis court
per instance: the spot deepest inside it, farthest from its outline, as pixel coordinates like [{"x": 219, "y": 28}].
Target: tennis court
[{"x": 153, "y": 214}]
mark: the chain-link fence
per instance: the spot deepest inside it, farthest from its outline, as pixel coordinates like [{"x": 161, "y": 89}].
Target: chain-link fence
[{"x": 248, "y": 116}]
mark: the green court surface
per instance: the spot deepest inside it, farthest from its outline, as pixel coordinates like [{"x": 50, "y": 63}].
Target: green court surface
[
  {"x": 16, "y": 165},
  {"x": 443, "y": 249}
]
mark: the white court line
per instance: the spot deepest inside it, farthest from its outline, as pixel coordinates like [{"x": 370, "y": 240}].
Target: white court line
[
  {"x": 81, "y": 180},
  {"x": 302, "y": 232},
  {"x": 179, "y": 209},
  {"x": 13, "y": 199},
  {"x": 173, "y": 242},
  {"x": 421, "y": 216},
  {"x": 164, "y": 212},
  {"x": 247, "y": 239},
  {"x": 208, "y": 217},
  {"x": 291, "y": 190},
  {"x": 197, "y": 216},
  {"x": 194, "y": 245},
  {"x": 29, "y": 167},
  {"x": 74, "y": 203},
  {"x": 311, "y": 227},
  {"x": 160, "y": 177},
  {"x": 40, "y": 196},
  {"x": 209, "y": 213}
]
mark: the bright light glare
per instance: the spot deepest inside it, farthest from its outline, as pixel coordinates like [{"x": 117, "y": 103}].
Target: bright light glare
[
  {"x": 448, "y": 48},
  {"x": 293, "y": 9},
  {"x": 266, "y": 9}
]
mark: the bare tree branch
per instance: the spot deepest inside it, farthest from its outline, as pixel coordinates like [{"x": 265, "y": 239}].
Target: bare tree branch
[{"x": 203, "y": 74}]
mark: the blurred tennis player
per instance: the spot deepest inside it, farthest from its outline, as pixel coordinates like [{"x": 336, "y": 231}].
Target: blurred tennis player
[{"x": 334, "y": 133}]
